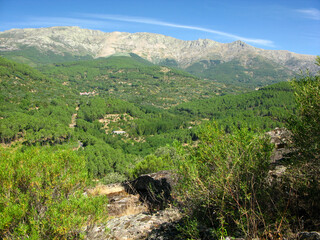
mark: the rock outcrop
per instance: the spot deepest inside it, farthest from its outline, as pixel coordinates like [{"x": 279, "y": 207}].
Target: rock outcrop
[
  {"x": 153, "y": 189},
  {"x": 137, "y": 209},
  {"x": 281, "y": 138},
  {"x": 140, "y": 226}
]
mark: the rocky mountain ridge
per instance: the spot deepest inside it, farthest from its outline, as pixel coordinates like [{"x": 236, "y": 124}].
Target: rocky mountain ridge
[{"x": 156, "y": 48}]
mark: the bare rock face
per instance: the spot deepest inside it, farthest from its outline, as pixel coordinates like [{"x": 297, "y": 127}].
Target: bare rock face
[
  {"x": 282, "y": 139},
  {"x": 153, "y": 47},
  {"x": 139, "y": 226},
  {"x": 121, "y": 203}
]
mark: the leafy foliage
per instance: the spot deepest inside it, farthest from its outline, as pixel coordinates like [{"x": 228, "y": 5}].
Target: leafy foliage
[
  {"x": 164, "y": 158},
  {"x": 306, "y": 125},
  {"x": 229, "y": 189},
  {"x": 303, "y": 174},
  {"x": 41, "y": 194}
]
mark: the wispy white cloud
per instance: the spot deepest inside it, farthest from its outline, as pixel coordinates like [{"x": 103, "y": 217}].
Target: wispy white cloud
[
  {"x": 262, "y": 42},
  {"x": 311, "y": 13},
  {"x": 101, "y": 21}
]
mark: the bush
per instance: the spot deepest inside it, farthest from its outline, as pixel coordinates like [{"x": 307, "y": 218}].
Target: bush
[
  {"x": 113, "y": 177},
  {"x": 303, "y": 175},
  {"x": 41, "y": 195},
  {"x": 223, "y": 181},
  {"x": 305, "y": 126},
  {"x": 165, "y": 158}
]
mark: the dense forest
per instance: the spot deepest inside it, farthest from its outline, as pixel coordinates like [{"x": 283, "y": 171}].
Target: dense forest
[{"x": 112, "y": 119}]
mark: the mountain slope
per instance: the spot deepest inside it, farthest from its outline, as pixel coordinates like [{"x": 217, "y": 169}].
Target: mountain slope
[
  {"x": 33, "y": 106},
  {"x": 56, "y": 44},
  {"x": 133, "y": 79},
  {"x": 256, "y": 72},
  {"x": 153, "y": 47},
  {"x": 267, "y": 108}
]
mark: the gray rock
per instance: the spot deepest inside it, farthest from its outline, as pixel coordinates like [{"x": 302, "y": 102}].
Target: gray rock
[
  {"x": 137, "y": 226},
  {"x": 309, "y": 236},
  {"x": 281, "y": 138}
]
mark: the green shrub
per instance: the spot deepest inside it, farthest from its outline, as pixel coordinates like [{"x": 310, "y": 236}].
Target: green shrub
[
  {"x": 41, "y": 194},
  {"x": 149, "y": 164},
  {"x": 164, "y": 158},
  {"x": 113, "y": 177},
  {"x": 303, "y": 175},
  {"x": 223, "y": 181},
  {"x": 305, "y": 125}
]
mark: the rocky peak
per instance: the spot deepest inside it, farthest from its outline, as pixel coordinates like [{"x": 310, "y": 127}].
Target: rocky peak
[
  {"x": 239, "y": 43},
  {"x": 153, "y": 47}
]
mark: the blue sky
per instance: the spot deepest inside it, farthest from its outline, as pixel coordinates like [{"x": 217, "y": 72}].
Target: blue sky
[{"x": 292, "y": 25}]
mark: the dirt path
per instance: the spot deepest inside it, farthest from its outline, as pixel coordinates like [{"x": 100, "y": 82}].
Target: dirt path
[{"x": 74, "y": 118}]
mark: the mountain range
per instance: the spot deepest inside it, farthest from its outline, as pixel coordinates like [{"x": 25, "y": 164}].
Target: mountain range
[{"x": 232, "y": 63}]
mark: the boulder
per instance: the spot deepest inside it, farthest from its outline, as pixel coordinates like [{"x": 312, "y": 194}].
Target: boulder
[
  {"x": 153, "y": 189},
  {"x": 280, "y": 137}
]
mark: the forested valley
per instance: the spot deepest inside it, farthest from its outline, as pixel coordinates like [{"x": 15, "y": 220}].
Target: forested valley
[{"x": 65, "y": 126}]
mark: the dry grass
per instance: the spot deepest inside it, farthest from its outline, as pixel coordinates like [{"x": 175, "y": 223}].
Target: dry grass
[{"x": 106, "y": 190}]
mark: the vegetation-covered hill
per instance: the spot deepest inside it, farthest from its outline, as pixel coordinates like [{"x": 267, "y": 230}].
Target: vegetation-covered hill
[
  {"x": 33, "y": 106},
  {"x": 47, "y": 108},
  {"x": 35, "y": 57},
  {"x": 266, "y": 108},
  {"x": 249, "y": 74},
  {"x": 133, "y": 79},
  {"x": 123, "y": 125},
  {"x": 236, "y": 63}
]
